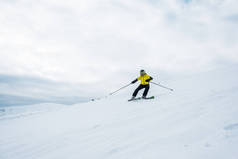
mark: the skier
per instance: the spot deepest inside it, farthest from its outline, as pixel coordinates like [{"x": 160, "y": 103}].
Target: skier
[{"x": 145, "y": 79}]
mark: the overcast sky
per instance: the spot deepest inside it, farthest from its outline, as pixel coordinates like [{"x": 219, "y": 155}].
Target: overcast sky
[{"x": 91, "y": 41}]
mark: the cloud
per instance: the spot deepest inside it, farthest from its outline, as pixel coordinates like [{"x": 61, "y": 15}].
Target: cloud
[{"x": 91, "y": 41}]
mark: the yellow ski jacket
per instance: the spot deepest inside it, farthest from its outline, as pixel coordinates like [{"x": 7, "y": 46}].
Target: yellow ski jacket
[{"x": 144, "y": 79}]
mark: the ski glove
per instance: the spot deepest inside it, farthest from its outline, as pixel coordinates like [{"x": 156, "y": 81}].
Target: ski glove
[
  {"x": 148, "y": 80},
  {"x": 134, "y": 81}
]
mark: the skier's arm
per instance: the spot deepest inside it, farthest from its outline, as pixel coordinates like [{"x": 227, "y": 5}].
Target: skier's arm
[
  {"x": 148, "y": 80},
  {"x": 134, "y": 81}
]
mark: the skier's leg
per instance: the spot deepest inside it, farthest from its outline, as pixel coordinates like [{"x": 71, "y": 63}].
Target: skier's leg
[
  {"x": 147, "y": 87},
  {"x": 137, "y": 90}
]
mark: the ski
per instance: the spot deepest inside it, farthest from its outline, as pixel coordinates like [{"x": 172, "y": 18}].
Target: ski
[
  {"x": 152, "y": 97},
  {"x": 139, "y": 98},
  {"x": 134, "y": 99}
]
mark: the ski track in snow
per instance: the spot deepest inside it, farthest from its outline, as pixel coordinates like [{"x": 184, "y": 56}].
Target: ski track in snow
[{"x": 198, "y": 120}]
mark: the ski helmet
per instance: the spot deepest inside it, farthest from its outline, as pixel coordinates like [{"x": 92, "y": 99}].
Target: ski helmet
[{"x": 142, "y": 72}]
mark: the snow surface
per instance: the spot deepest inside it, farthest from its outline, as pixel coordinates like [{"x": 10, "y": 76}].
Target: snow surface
[{"x": 199, "y": 120}]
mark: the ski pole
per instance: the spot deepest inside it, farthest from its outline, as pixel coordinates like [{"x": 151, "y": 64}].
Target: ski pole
[
  {"x": 119, "y": 89},
  {"x": 162, "y": 86}
]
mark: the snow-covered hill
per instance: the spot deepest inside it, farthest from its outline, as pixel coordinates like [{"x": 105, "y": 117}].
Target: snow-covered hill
[{"x": 197, "y": 121}]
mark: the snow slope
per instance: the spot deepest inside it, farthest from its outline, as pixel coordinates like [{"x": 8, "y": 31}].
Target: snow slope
[{"x": 197, "y": 121}]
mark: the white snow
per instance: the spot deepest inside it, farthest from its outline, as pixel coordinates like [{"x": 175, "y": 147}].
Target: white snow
[{"x": 199, "y": 120}]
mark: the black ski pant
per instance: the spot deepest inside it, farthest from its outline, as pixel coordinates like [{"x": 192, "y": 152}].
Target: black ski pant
[{"x": 146, "y": 87}]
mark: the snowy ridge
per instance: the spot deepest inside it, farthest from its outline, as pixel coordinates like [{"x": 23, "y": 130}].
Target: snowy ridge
[
  {"x": 199, "y": 120},
  {"x": 12, "y": 112}
]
